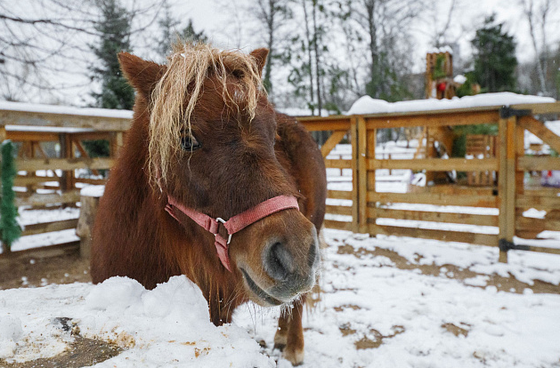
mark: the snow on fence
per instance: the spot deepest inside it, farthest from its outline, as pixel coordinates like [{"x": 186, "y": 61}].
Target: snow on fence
[
  {"x": 360, "y": 197},
  {"x": 501, "y": 214}
]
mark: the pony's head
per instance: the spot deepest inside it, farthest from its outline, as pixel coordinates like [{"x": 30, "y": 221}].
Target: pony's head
[{"x": 211, "y": 143}]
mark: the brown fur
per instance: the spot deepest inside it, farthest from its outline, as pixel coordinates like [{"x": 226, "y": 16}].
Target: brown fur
[{"x": 248, "y": 155}]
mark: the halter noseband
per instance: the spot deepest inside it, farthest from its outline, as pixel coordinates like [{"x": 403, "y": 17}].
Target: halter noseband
[{"x": 235, "y": 223}]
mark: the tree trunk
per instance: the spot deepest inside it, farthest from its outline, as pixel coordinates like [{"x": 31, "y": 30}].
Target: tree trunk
[
  {"x": 309, "y": 56},
  {"x": 316, "y": 49}
]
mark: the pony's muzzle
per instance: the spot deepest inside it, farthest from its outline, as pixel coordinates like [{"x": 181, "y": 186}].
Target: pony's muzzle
[{"x": 291, "y": 263}]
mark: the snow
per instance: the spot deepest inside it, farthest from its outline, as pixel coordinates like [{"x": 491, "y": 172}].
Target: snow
[
  {"x": 65, "y": 110},
  {"x": 167, "y": 326},
  {"x": 366, "y": 299},
  {"x": 367, "y": 105},
  {"x": 93, "y": 191}
]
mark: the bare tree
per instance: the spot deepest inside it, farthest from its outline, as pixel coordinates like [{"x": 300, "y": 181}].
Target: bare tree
[
  {"x": 384, "y": 25},
  {"x": 44, "y": 46},
  {"x": 537, "y": 15},
  {"x": 271, "y": 16}
]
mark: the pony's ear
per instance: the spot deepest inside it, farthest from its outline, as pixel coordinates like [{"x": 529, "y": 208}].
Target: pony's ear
[
  {"x": 260, "y": 57},
  {"x": 141, "y": 74}
]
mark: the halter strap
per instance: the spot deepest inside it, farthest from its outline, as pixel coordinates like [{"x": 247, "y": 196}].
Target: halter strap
[{"x": 235, "y": 223}]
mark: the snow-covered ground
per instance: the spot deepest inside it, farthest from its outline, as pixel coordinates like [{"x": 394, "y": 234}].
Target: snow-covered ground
[{"x": 371, "y": 313}]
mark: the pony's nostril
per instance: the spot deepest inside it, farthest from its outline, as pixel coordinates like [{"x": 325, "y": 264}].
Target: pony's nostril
[{"x": 279, "y": 262}]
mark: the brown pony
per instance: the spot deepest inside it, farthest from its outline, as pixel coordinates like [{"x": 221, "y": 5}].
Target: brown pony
[{"x": 206, "y": 140}]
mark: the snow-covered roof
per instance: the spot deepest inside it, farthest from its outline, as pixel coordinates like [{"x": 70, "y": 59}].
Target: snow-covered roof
[
  {"x": 367, "y": 105},
  {"x": 65, "y": 110}
]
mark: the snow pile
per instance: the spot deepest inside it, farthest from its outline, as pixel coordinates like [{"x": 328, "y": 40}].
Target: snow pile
[
  {"x": 367, "y": 105},
  {"x": 167, "y": 326}
]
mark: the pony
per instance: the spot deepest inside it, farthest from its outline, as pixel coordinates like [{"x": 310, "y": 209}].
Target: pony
[{"x": 214, "y": 184}]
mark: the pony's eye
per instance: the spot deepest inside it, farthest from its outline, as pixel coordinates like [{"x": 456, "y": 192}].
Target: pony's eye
[{"x": 190, "y": 143}]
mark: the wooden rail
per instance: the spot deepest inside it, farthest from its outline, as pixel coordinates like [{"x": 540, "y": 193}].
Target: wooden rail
[{"x": 361, "y": 209}]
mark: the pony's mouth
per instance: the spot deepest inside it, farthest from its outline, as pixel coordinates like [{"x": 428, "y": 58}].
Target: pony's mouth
[{"x": 260, "y": 293}]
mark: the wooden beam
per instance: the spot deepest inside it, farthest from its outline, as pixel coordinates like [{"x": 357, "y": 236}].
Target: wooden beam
[
  {"x": 431, "y": 119},
  {"x": 362, "y": 150},
  {"x": 339, "y": 194},
  {"x": 43, "y": 199},
  {"x": 538, "y": 202},
  {"x": 539, "y": 108},
  {"x": 338, "y": 225},
  {"x": 447, "y": 217},
  {"x": 30, "y": 118},
  {"x": 436, "y": 164},
  {"x": 434, "y": 199},
  {"x": 338, "y": 164},
  {"x": 448, "y": 236},
  {"x": 22, "y": 136},
  {"x": 64, "y": 164},
  {"x": 354, "y": 137},
  {"x": 56, "y": 250},
  {"x": 339, "y": 210},
  {"x": 536, "y": 163},
  {"x": 331, "y": 143},
  {"x": 540, "y": 130},
  {"x": 47, "y": 227}
]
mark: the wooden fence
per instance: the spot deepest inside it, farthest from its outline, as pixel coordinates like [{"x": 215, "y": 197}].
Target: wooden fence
[
  {"x": 369, "y": 209},
  {"x": 509, "y": 198},
  {"x": 50, "y": 150}
]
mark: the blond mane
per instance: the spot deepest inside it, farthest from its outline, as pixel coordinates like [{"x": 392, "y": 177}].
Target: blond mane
[{"x": 176, "y": 95}]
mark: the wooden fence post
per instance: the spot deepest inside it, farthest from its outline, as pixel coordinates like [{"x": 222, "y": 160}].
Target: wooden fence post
[
  {"x": 507, "y": 182},
  {"x": 362, "y": 175},
  {"x": 89, "y": 200},
  {"x": 355, "y": 176}
]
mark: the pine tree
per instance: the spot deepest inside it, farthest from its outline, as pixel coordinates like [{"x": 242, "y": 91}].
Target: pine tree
[
  {"x": 8, "y": 211},
  {"x": 114, "y": 28},
  {"x": 494, "y": 57}
]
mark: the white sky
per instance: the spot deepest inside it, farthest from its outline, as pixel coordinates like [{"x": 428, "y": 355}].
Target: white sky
[{"x": 219, "y": 21}]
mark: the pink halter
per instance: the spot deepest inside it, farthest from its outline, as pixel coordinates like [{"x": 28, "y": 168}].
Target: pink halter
[{"x": 235, "y": 223}]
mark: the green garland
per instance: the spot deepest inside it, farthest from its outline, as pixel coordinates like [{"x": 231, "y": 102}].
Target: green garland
[{"x": 8, "y": 211}]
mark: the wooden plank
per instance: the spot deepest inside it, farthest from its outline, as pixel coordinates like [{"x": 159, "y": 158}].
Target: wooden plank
[
  {"x": 533, "y": 248},
  {"x": 339, "y": 194},
  {"x": 31, "y": 136},
  {"x": 362, "y": 174},
  {"x": 331, "y": 143},
  {"x": 47, "y": 227},
  {"x": 28, "y": 118},
  {"x": 314, "y": 123},
  {"x": 511, "y": 182},
  {"x": 338, "y": 164},
  {"x": 338, "y": 225},
  {"x": 432, "y": 119},
  {"x": 434, "y": 199},
  {"x": 537, "y": 224},
  {"x": 539, "y": 108},
  {"x": 545, "y": 192},
  {"x": 447, "y": 217},
  {"x": 57, "y": 250},
  {"x": 540, "y": 130},
  {"x": 538, "y": 202},
  {"x": 22, "y": 181},
  {"x": 91, "y": 181},
  {"x": 339, "y": 210},
  {"x": 536, "y": 163},
  {"x": 43, "y": 199},
  {"x": 502, "y": 183},
  {"x": 370, "y": 177},
  {"x": 449, "y": 236},
  {"x": 435, "y": 164},
  {"x": 64, "y": 163},
  {"x": 355, "y": 176}
]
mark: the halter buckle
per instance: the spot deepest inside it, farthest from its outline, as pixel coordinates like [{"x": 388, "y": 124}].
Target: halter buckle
[{"x": 223, "y": 222}]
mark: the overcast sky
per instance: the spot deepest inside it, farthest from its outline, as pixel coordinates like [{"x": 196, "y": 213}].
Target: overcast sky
[{"x": 218, "y": 21}]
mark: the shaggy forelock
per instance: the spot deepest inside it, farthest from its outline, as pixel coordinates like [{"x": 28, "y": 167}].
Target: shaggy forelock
[{"x": 175, "y": 98}]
